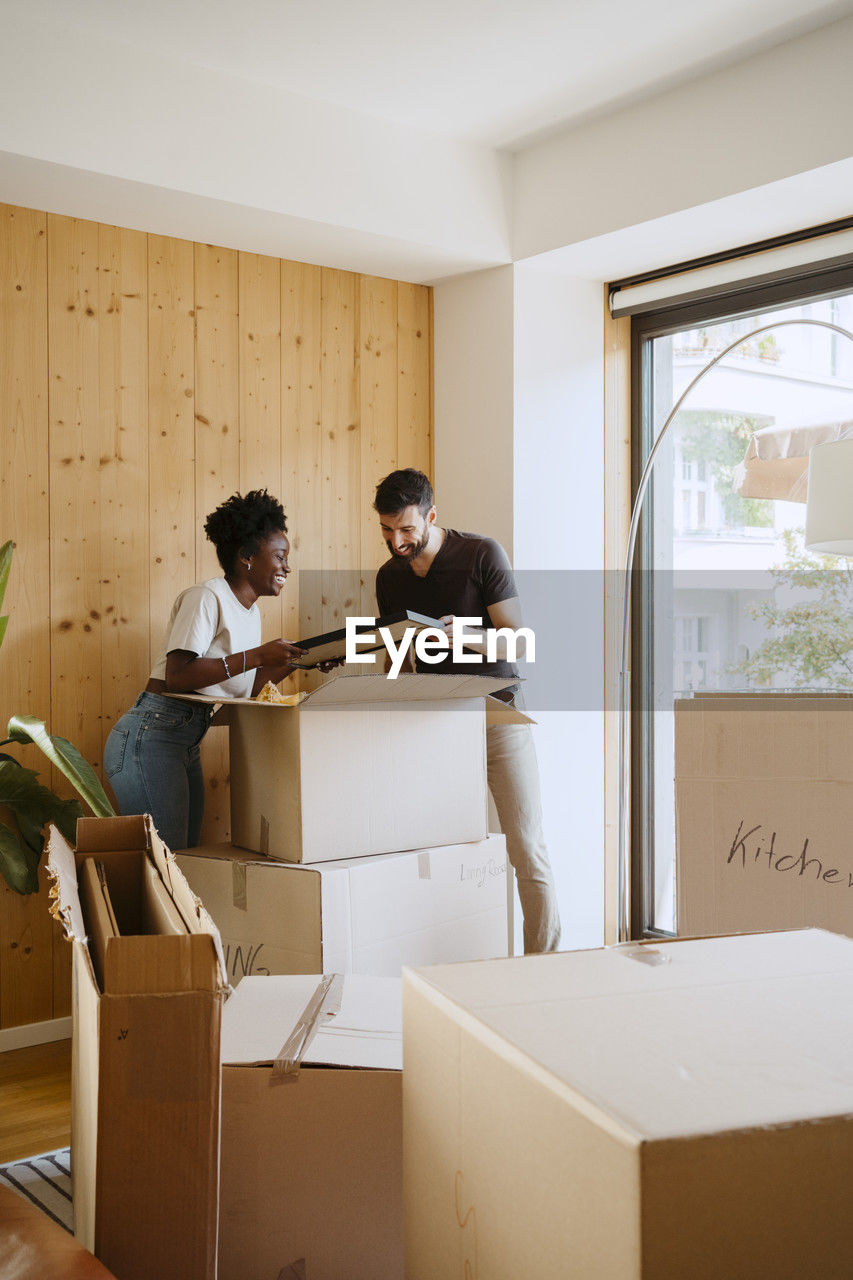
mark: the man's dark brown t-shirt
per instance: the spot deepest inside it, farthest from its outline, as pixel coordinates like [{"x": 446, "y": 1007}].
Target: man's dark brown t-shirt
[{"x": 467, "y": 575}]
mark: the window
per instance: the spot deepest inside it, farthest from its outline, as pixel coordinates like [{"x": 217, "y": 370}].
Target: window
[{"x": 724, "y": 572}]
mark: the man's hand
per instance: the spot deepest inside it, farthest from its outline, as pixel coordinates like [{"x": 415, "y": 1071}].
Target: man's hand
[{"x": 329, "y": 664}]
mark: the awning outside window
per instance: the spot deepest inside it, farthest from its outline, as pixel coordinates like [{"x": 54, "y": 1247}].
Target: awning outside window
[{"x": 777, "y": 460}]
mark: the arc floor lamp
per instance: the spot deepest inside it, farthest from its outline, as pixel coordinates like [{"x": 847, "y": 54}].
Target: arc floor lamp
[{"x": 829, "y": 529}]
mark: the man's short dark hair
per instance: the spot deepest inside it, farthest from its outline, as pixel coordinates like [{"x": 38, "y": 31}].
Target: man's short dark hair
[{"x": 401, "y": 489}]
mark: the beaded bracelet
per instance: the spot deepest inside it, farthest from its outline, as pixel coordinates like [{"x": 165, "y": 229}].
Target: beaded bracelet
[{"x": 225, "y": 665}]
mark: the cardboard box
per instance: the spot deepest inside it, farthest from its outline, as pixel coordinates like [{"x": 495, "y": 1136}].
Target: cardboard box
[
  {"x": 148, "y": 979},
  {"x": 764, "y": 807},
  {"x": 363, "y": 765},
  {"x": 360, "y": 915},
  {"x": 312, "y": 1161},
  {"x": 650, "y": 1112}
]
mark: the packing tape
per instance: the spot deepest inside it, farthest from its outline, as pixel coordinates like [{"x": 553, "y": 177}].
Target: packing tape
[
  {"x": 324, "y": 1003},
  {"x": 424, "y": 870},
  {"x": 239, "y": 890},
  {"x": 644, "y": 955}
]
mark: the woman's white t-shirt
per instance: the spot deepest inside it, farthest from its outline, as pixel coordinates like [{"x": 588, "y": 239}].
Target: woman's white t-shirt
[{"x": 209, "y": 621}]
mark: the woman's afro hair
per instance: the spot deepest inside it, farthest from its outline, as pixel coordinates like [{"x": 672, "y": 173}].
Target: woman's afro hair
[{"x": 242, "y": 523}]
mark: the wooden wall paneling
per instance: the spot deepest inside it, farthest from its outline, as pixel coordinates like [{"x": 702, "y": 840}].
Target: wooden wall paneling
[
  {"x": 414, "y": 387},
  {"x": 217, "y": 450},
  {"x": 24, "y": 499},
  {"x": 26, "y": 971},
  {"x": 260, "y": 393},
  {"x": 122, "y": 466},
  {"x": 25, "y": 927},
  {"x": 341, "y": 447},
  {"x": 99, "y": 382},
  {"x": 75, "y": 570},
  {"x": 302, "y": 445},
  {"x": 172, "y": 516},
  {"x": 378, "y": 399}
]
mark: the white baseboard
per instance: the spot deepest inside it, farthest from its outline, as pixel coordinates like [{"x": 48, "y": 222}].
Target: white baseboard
[{"x": 34, "y": 1033}]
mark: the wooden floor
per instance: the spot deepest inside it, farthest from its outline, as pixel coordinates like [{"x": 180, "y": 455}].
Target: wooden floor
[{"x": 35, "y": 1100}]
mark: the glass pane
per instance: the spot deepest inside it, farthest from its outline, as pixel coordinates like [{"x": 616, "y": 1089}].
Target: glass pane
[{"x": 736, "y": 601}]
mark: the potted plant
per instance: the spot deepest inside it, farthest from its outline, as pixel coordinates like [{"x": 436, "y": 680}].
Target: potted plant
[{"x": 26, "y": 806}]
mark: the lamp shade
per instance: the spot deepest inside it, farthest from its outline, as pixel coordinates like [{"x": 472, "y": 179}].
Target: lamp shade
[{"x": 829, "y": 509}]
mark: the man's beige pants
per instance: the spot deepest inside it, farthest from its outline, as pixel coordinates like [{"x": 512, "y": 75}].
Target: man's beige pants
[{"x": 514, "y": 784}]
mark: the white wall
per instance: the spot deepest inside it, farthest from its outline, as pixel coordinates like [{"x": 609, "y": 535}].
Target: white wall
[
  {"x": 558, "y": 554},
  {"x": 519, "y": 441},
  {"x": 474, "y": 335},
  {"x": 164, "y": 138},
  {"x": 769, "y": 117}
]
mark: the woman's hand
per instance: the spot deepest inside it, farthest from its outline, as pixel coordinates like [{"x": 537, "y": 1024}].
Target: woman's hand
[{"x": 275, "y": 653}]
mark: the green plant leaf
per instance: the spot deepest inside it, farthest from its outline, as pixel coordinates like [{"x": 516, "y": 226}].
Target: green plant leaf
[
  {"x": 3, "y": 624},
  {"x": 34, "y": 805},
  {"x": 64, "y": 756},
  {"x": 18, "y": 865},
  {"x": 5, "y": 565}
]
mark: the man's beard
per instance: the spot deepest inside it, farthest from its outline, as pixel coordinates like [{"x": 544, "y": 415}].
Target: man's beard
[{"x": 411, "y": 554}]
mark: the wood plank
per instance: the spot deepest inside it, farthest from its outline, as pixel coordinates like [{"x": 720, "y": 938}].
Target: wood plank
[
  {"x": 341, "y": 448},
  {"x": 217, "y": 450},
  {"x": 616, "y": 461},
  {"x": 35, "y": 1100},
  {"x": 378, "y": 399},
  {"x": 25, "y": 665},
  {"x": 122, "y": 468},
  {"x": 414, "y": 388},
  {"x": 172, "y": 516},
  {"x": 75, "y": 589},
  {"x": 26, "y": 955},
  {"x": 302, "y": 452},
  {"x": 260, "y": 393},
  {"x": 26, "y": 988}
]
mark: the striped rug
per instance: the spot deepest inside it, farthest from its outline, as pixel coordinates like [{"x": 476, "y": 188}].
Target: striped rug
[{"x": 45, "y": 1181}]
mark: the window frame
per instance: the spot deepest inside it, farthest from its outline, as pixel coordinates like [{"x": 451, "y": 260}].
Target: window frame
[{"x": 660, "y": 322}]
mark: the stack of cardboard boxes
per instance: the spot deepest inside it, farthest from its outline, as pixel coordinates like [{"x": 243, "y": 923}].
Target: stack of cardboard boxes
[
  {"x": 360, "y": 830},
  {"x": 361, "y": 822}
]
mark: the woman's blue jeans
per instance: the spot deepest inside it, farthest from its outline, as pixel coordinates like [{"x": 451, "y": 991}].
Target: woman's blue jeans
[{"x": 152, "y": 761}]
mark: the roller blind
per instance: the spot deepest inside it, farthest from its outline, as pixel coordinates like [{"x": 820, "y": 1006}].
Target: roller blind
[{"x": 800, "y": 255}]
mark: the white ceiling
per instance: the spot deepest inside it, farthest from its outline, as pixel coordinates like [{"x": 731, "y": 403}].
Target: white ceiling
[{"x": 497, "y": 72}]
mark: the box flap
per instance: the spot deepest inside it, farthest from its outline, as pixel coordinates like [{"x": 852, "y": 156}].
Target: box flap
[
  {"x": 168, "y": 887},
  {"x": 347, "y": 690},
  {"x": 263, "y": 1011},
  {"x": 102, "y": 835},
  {"x": 64, "y": 893},
  {"x": 725, "y": 1033}
]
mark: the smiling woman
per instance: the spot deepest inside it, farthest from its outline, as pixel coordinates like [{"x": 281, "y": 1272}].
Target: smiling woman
[{"x": 211, "y": 646}]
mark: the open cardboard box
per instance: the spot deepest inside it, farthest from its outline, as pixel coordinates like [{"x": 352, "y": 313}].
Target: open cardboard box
[
  {"x": 363, "y": 765},
  {"x": 656, "y": 1111},
  {"x": 312, "y": 1158},
  {"x": 764, "y": 807},
  {"x": 360, "y": 915},
  {"x": 148, "y": 983}
]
